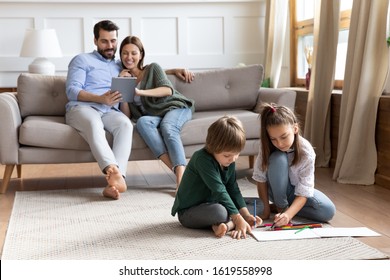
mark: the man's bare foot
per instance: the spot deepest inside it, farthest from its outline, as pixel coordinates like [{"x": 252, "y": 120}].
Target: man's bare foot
[
  {"x": 220, "y": 230},
  {"x": 115, "y": 178},
  {"x": 111, "y": 192}
]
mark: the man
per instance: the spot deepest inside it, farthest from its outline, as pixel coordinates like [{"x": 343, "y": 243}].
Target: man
[{"x": 93, "y": 108}]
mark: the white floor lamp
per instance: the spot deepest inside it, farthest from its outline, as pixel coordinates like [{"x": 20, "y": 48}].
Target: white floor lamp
[{"x": 41, "y": 43}]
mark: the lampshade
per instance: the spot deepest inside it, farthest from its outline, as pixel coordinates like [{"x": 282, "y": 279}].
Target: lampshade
[{"x": 40, "y": 44}]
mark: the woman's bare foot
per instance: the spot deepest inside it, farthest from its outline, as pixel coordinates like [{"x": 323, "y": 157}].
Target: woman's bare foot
[
  {"x": 111, "y": 192},
  {"x": 220, "y": 230},
  {"x": 115, "y": 178}
]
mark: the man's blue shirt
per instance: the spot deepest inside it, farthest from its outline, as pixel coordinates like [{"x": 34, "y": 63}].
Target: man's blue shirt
[{"x": 90, "y": 72}]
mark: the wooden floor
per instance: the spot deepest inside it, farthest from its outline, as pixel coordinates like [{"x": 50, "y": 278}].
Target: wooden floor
[{"x": 356, "y": 205}]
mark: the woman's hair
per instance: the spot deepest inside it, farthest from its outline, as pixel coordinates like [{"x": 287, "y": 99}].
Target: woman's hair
[
  {"x": 225, "y": 135},
  {"x": 135, "y": 41},
  {"x": 273, "y": 115}
]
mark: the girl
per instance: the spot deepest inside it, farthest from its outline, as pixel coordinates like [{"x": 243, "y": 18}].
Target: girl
[
  {"x": 284, "y": 169},
  {"x": 209, "y": 195},
  {"x": 159, "y": 110}
]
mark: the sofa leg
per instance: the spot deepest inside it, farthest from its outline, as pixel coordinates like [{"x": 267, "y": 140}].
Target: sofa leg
[
  {"x": 19, "y": 170},
  {"x": 7, "y": 177},
  {"x": 251, "y": 161}
]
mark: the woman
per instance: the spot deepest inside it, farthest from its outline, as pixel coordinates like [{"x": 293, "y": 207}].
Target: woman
[{"x": 159, "y": 110}]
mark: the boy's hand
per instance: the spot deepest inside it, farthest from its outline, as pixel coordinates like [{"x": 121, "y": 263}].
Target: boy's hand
[
  {"x": 250, "y": 219},
  {"x": 241, "y": 227}
]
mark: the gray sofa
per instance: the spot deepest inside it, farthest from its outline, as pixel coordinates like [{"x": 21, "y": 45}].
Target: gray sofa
[{"x": 33, "y": 130}]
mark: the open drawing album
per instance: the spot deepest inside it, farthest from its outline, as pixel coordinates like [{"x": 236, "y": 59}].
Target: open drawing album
[
  {"x": 126, "y": 86},
  {"x": 270, "y": 235}
]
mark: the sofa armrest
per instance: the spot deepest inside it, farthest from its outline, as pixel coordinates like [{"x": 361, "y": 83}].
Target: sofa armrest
[
  {"x": 278, "y": 96},
  {"x": 10, "y": 121}
]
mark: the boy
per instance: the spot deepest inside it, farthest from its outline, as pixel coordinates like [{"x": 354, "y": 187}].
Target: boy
[{"x": 208, "y": 195}]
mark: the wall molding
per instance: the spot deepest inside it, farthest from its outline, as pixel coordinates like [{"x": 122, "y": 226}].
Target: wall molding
[{"x": 191, "y": 34}]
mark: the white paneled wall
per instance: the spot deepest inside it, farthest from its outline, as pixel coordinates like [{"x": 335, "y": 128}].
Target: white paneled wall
[{"x": 189, "y": 34}]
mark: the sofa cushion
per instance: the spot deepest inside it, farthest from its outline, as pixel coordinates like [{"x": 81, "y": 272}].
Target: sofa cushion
[
  {"x": 41, "y": 95},
  {"x": 228, "y": 88},
  {"x": 52, "y": 132},
  {"x": 195, "y": 131}
]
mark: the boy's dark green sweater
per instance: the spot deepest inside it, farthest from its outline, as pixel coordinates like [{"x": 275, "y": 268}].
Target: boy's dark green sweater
[{"x": 205, "y": 181}]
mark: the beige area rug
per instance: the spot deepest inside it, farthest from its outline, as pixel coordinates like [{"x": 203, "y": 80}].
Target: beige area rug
[{"x": 82, "y": 225}]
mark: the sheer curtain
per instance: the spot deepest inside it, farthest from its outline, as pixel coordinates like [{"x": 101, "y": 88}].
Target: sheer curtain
[
  {"x": 276, "y": 25},
  {"x": 317, "y": 122},
  {"x": 365, "y": 74}
]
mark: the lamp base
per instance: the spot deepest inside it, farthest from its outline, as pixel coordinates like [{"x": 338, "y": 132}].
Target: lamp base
[{"x": 42, "y": 66}]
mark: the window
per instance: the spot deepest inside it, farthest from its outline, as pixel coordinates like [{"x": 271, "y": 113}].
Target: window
[{"x": 302, "y": 23}]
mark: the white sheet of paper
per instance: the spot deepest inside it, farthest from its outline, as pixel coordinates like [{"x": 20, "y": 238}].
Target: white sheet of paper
[
  {"x": 341, "y": 231},
  {"x": 261, "y": 235}
]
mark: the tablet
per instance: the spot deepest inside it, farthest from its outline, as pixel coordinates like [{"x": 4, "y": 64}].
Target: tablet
[{"x": 126, "y": 86}]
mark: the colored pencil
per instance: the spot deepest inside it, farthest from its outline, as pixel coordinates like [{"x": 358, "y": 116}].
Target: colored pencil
[{"x": 298, "y": 226}]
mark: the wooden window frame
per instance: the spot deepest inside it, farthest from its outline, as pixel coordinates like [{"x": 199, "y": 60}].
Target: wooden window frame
[{"x": 306, "y": 27}]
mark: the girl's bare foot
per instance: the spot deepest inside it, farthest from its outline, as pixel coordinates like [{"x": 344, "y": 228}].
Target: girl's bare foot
[
  {"x": 115, "y": 178},
  {"x": 111, "y": 192},
  {"x": 220, "y": 230}
]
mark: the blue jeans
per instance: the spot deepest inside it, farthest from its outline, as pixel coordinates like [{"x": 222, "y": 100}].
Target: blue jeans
[
  {"x": 162, "y": 134},
  {"x": 281, "y": 192}
]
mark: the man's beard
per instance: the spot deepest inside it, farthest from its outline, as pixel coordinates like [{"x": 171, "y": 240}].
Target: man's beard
[{"x": 105, "y": 55}]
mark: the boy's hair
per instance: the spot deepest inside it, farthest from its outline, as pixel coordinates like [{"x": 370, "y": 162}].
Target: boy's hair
[
  {"x": 273, "y": 115},
  {"x": 225, "y": 135},
  {"x": 106, "y": 25}
]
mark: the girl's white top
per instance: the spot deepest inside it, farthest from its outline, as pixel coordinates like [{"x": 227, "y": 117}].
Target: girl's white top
[{"x": 301, "y": 174}]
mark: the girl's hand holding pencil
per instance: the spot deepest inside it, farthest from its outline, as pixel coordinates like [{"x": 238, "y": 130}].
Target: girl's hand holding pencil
[{"x": 281, "y": 218}]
